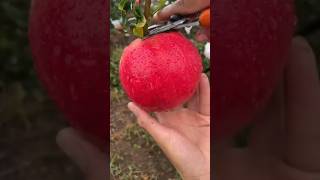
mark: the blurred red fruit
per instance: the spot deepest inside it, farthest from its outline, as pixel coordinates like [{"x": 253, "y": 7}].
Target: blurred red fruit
[
  {"x": 69, "y": 42},
  {"x": 250, "y": 43}
]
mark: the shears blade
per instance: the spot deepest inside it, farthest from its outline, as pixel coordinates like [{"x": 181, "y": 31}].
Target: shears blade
[{"x": 158, "y": 28}]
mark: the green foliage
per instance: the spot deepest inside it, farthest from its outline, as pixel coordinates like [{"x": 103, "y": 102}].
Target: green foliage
[
  {"x": 18, "y": 82},
  {"x": 159, "y": 6},
  {"x": 125, "y": 5},
  {"x": 16, "y": 62},
  {"x": 205, "y": 61},
  {"x": 141, "y": 22},
  {"x": 114, "y": 69},
  {"x": 114, "y": 10},
  {"x": 134, "y": 19}
]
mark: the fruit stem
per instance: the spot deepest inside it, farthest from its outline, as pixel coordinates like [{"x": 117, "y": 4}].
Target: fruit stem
[{"x": 147, "y": 14}]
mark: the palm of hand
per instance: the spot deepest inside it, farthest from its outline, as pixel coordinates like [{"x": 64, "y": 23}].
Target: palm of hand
[
  {"x": 184, "y": 133},
  {"x": 284, "y": 144},
  {"x": 188, "y": 124},
  {"x": 189, "y": 136}
]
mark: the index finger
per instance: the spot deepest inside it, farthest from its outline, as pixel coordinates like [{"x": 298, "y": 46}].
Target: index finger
[
  {"x": 181, "y": 7},
  {"x": 204, "y": 95}
]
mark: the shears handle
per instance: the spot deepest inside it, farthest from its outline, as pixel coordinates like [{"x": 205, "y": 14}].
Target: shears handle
[{"x": 204, "y": 18}]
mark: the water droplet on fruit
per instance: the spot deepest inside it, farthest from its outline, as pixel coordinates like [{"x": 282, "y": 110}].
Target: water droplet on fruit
[
  {"x": 73, "y": 93},
  {"x": 236, "y": 75},
  {"x": 71, "y": 5},
  {"x": 257, "y": 12},
  {"x": 263, "y": 73},
  {"x": 57, "y": 51},
  {"x": 55, "y": 78},
  {"x": 254, "y": 59},
  {"x": 80, "y": 17},
  {"x": 269, "y": 37},
  {"x": 68, "y": 59},
  {"x": 88, "y": 62},
  {"x": 273, "y": 24}
]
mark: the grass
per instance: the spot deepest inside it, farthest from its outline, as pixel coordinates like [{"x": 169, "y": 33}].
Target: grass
[
  {"x": 114, "y": 70},
  {"x": 135, "y": 132},
  {"x": 127, "y": 165},
  {"x": 128, "y": 172},
  {"x": 133, "y": 152}
]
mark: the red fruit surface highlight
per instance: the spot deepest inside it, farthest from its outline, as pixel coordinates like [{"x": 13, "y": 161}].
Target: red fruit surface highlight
[
  {"x": 69, "y": 42},
  {"x": 251, "y": 39},
  {"x": 160, "y": 72}
]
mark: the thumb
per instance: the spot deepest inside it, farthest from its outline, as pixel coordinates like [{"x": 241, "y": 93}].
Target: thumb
[
  {"x": 177, "y": 148},
  {"x": 178, "y": 7},
  {"x": 159, "y": 132},
  {"x": 181, "y": 7},
  {"x": 88, "y": 158}
]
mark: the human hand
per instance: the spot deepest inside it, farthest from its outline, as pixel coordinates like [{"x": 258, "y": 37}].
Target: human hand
[
  {"x": 183, "y": 134},
  {"x": 185, "y": 7},
  {"x": 181, "y": 7},
  {"x": 285, "y": 142},
  {"x": 91, "y": 160}
]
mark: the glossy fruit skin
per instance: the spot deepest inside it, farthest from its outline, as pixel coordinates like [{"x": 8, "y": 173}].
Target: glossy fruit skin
[
  {"x": 69, "y": 42},
  {"x": 161, "y": 72},
  {"x": 251, "y": 39}
]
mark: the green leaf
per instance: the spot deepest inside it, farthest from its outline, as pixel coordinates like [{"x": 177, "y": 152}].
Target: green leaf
[
  {"x": 122, "y": 4},
  {"x": 159, "y": 6},
  {"x": 138, "y": 31},
  {"x": 125, "y": 5},
  {"x": 124, "y": 20},
  {"x": 141, "y": 19}
]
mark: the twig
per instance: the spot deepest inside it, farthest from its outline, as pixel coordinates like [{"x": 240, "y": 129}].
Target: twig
[{"x": 147, "y": 14}]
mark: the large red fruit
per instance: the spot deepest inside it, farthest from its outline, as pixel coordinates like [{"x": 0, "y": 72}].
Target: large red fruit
[
  {"x": 69, "y": 41},
  {"x": 160, "y": 72},
  {"x": 250, "y": 42}
]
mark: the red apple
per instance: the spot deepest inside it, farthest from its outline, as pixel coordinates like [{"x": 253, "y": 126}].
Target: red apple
[
  {"x": 160, "y": 72},
  {"x": 69, "y": 42},
  {"x": 250, "y": 43}
]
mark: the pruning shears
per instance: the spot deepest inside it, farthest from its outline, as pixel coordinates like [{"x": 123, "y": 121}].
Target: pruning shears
[{"x": 177, "y": 22}]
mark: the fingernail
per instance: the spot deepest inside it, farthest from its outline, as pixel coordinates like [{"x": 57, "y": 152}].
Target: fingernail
[
  {"x": 156, "y": 16},
  {"x": 203, "y": 75},
  {"x": 133, "y": 108},
  {"x": 301, "y": 42}
]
